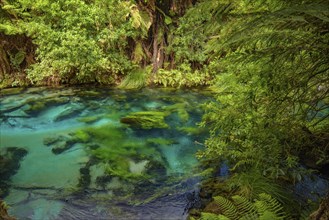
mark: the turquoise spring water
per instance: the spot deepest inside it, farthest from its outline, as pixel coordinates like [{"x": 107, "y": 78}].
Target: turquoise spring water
[{"x": 68, "y": 154}]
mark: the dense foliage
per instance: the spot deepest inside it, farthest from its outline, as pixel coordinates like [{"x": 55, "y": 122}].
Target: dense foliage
[
  {"x": 80, "y": 41},
  {"x": 271, "y": 113},
  {"x": 273, "y": 87},
  {"x": 267, "y": 60},
  {"x": 77, "y": 41}
]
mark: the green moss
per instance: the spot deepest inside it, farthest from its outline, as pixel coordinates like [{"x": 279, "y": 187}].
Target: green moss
[
  {"x": 146, "y": 120},
  {"x": 105, "y": 132},
  {"x": 81, "y": 136},
  {"x": 119, "y": 167}
]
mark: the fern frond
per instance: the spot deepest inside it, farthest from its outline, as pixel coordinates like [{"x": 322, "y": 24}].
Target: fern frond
[
  {"x": 227, "y": 207},
  {"x": 268, "y": 206},
  {"x": 211, "y": 216},
  {"x": 244, "y": 206},
  {"x": 268, "y": 215}
]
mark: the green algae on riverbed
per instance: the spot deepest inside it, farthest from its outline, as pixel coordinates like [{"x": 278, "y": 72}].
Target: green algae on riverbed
[{"x": 81, "y": 154}]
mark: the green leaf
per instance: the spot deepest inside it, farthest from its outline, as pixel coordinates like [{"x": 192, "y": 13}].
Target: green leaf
[{"x": 168, "y": 20}]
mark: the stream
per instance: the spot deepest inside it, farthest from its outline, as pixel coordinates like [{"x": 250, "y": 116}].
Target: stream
[{"x": 86, "y": 153}]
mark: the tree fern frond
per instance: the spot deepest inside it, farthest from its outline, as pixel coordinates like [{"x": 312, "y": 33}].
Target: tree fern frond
[
  {"x": 239, "y": 207},
  {"x": 227, "y": 207},
  {"x": 268, "y": 206},
  {"x": 268, "y": 215},
  {"x": 249, "y": 216},
  {"x": 244, "y": 206},
  {"x": 212, "y": 216}
]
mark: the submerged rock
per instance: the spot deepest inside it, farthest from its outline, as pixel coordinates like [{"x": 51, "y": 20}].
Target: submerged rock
[
  {"x": 9, "y": 164},
  {"x": 89, "y": 119},
  {"x": 62, "y": 143},
  {"x": 62, "y": 146},
  {"x": 38, "y": 105},
  {"x": 146, "y": 120},
  {"x": 68, "y": 113},
  {"x": 48, "y": 141},
  {"x": 12, "y": 108}
]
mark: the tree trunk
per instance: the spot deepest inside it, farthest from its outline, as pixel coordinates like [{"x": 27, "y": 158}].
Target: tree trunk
[{"x": 157, "y": 39}]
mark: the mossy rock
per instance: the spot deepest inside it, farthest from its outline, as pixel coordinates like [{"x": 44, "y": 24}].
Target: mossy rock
[
  {"x": 89, "y": 119},
  {"x": 146, "y": 120},
  {"x": 37, "y": 105},
  {"x": 62, "y": 146}
]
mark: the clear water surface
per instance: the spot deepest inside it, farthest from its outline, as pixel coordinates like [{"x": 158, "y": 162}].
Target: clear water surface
[{"x": 81, "y": 153}]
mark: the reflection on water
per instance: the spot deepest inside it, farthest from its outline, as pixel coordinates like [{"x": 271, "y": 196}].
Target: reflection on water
[{"x": 99, "y": 153}]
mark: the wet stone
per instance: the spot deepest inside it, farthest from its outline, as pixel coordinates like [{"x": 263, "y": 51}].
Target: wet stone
[
  {"x": 61, "y": 147},
  {"x": 51, "y": 140}
]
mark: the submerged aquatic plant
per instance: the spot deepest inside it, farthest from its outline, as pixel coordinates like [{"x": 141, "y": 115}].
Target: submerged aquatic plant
[
  {"x": 146, "y": 120},
  {"x": 128, "y": 159}
]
